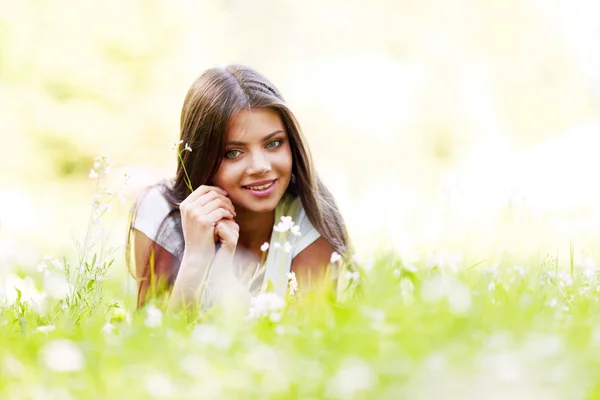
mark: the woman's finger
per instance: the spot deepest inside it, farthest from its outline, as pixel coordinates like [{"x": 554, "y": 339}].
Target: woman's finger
[
  {"x": 227, "y": 233},
  {"x": 216, "y": 215},
  {"x": 218, "y": 203},
  {"x": 213, "y": 195},
  {"x": 201, "y": 191}
]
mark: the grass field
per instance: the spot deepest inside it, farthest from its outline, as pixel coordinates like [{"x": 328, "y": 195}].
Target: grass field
[{"x": 434, "y": 327}]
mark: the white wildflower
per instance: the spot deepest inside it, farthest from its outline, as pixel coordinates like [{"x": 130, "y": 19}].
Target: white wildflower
[
  {"x": 211, "y": 335},
  {"x": 280, "y": 330},
  {"x": 440, "y": 287},
  {"x": 353, "y": 376},
  {"x": 29, "y": 294},
  {"x": 56, "y": 285},
  {"x": 45, "y": 328},
  {"x": 565, "y": 280},
  {"x": 295, "y": 230},
  {"x": 153, "y": 317},
  {"x": 93, "y": 174},
  {"x": 266, "y": 305},
  {"x": 287, "y": 247},
  {"x": 41, "y": 267},
  {"x": 264, "y": 247},
  {"x": 276, "y": 245},
  {"x": 519, "y": 270},
  {"x": 292, "y": 283},
  {"x": 460, "y": 299},
  {"x": 108, "y": 328},
  {"x": 335, "y": 257},
  {"x": 187, "y": 148},
  {"x": 397, "y": 272},
  {"x": 552, "y": 303},
  {"x": 63, "y": 355},
  {"x": 353, "y": 276},
  {"x": 411, "y": 268},
  {"x": 175, "y": 145},
  {"x": 285, "y": 225}
]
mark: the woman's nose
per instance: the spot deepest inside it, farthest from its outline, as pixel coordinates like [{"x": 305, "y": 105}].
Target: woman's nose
[{"x": 259, "y": 164}]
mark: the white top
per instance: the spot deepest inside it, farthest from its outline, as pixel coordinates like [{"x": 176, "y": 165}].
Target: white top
[{"x": 154, "y": 208}]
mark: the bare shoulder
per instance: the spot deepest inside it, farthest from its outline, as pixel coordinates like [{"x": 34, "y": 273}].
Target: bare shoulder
[{"x": 311, "y": 263}]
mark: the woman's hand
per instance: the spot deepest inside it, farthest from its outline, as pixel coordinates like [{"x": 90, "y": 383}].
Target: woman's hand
[
  {"x": 227, "y": 232},
  {"x": 200, "y": 212}
]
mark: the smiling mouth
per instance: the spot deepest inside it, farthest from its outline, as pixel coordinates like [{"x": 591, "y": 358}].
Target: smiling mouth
[{"x": 261, "y": 187}]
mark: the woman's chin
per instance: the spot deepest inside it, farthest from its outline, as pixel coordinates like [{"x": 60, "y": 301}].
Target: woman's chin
[{"x": 261, "y": 205}]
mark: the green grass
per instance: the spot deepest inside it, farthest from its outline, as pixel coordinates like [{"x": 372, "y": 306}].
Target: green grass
[{"x": 402, "y": 333}]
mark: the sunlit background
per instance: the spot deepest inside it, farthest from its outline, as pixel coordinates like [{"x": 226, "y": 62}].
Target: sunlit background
[{"x": 441, "y": 127}]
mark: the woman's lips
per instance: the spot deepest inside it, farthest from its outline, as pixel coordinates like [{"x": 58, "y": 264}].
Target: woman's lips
[{"x": 261, "y": 192}]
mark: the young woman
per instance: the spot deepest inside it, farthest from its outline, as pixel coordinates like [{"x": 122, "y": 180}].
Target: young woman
[{"x": 247, "y": 164}]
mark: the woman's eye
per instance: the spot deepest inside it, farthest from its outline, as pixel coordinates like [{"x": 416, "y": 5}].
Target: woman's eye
[
  {"x": 232, "y": 153},
  {"x": 274, "y": 143}
]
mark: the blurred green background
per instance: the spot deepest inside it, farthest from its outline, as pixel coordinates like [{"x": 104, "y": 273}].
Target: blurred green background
[{"x": 439, "y": 126}]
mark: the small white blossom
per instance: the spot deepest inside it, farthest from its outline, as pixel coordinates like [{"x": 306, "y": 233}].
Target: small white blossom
[
  {"x": 153, "y": 317},
  {"x": 93, "y": 174},
  {"x": 519, "y": 270},
  {"x": 295, "y": 230},
  {"x": 266, "y": 305},
  {"x": 287, "y": 247},
  {"x": 264, "y": 247},
  {"x": 41, "y": 267},
  {"x": 335, "y": 257},
  {"x": 45, "y": 328},
  {"x": 276, "y": 245},
  {"x": 63, "y": 355},
  {"x": 353, "y": 377},
  {"x": 108, "y": 328},
  {"x": 285, "y": 225},
  {"x": 440, "y": 287},
  {"x": 411, "y": 268},
  {"x": 552, "y": 303},
  {"x": 565, "y": 280},
  {"x": 211, "y": 335},
  {"x": 175, "y": 146},
  {"x": 353, "y": 276},
  {"x": 187, "y": 148}
]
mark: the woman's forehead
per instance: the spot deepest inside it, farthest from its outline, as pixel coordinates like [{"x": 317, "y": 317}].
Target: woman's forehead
[{"x": 254, "y": 124}]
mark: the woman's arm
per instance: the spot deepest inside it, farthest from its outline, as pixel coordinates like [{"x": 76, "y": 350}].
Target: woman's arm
[{"x": 153, "y": 267}]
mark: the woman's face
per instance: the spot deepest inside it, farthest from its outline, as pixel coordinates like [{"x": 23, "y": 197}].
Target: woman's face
[{"x": 257, "y": 164}]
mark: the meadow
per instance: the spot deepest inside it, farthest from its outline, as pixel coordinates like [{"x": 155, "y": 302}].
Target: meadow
[{"x": 440, "y": 326}]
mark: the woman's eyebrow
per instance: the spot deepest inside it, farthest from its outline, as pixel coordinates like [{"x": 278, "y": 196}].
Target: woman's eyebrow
[{"x": 270, "y": 135}]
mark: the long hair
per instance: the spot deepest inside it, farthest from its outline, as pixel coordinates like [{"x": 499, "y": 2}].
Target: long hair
[{"x": 211, "y": 102}]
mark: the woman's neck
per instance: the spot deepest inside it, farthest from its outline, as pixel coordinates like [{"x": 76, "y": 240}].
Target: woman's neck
[{"x": 255, "y": 229}]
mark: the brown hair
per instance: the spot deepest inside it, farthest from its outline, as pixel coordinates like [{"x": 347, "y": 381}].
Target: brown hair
[{"x": 211, "y": 102}]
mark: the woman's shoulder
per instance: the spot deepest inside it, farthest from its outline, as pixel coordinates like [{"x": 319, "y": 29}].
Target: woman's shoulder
[{"x": 150, "y": 210}]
